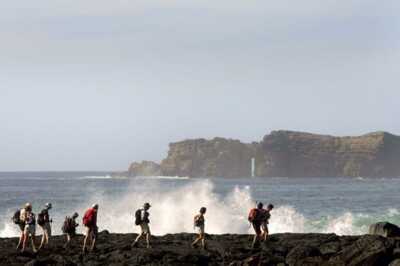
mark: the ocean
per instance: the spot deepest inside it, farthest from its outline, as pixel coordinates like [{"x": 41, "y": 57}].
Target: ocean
[{"x": 345, "y": 206}]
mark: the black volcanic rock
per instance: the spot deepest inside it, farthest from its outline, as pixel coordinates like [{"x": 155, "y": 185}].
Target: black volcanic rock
[
  {"x": 280, "y": 249},
  {"x": 384, "y": 229}
]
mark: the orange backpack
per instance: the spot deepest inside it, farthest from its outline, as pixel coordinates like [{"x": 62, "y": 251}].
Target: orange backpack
[{"x": 253, "y": 215}]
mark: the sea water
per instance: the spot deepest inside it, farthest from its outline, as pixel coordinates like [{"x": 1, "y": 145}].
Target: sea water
[{"x": 345, "y": 206}]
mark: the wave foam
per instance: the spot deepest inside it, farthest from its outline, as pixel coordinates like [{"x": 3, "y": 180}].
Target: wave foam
[{"x": 174, "y": 207}]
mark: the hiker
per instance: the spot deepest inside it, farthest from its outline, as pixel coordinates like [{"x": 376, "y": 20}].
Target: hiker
[
  {"x": 256, "y": 218},
  {"x": 19, "y": 218},
  {"x": 142, "y": 219},
  {"x": 44, "y": 222},
  {"x": 265, "y": 221},
  {"x": 90, "y": 222},
  {"x": 69, "y": 228},
  {"x": 30, "y": 227},
  {"x": 199, "y": 223}
]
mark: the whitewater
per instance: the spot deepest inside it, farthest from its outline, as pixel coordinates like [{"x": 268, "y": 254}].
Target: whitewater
[{"x": 335, "y": 205}]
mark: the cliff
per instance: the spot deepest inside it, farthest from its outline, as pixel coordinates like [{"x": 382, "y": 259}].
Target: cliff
[
  {"x": 233, "y": 250},
  {"x": 207, "y": 158},
  {"x": 282, "y": 154},
  {"x": 145, "y": 168},
  {"x": 290, "y": 154}
]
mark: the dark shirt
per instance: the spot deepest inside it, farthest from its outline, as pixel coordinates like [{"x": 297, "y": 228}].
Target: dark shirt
[{"x": 46, "y": 216}]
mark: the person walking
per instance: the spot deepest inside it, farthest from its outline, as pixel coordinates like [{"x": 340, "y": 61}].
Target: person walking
[
  {"x": 30, "y": 227},
  {"x": 19, "y": 218},
  {"x": 69, "y": 228},
  {"x": 44, "y": 222},
  {"x": 199, "y": 223},
  {"x": 90, "y": 222},
  {"x": 142, "y": 220},
  {"x": 265, "y": 221},
  {"x": 256, "y": 219}
]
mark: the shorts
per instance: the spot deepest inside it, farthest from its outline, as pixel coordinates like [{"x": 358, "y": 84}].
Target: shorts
[
  {"x": 22, "y": 226},
  {"x": 200, "y": 229},
  {"x": 47, "y": 228},
  {"x": 30, "y": 229},
  {"x": 92, "y": 230},
  {"x": 257, "y": 228},
  {"x": 145, "y": 228}
]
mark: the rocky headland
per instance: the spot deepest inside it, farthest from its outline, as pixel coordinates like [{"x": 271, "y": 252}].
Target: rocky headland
[
  {"x": 234, "y": 250},
  {"x": 280, "y": 154}
]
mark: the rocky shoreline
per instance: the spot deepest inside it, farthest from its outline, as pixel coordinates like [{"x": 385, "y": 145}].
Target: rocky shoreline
[{"x": 174, "y": 249}]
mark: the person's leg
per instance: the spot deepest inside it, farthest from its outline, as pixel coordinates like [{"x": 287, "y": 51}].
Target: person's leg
[
  {"x": 85, "y": 239},
  {"x": 68, "y": 239},
  {"x": 33, "y": 239},
  {"x": 48, "y": 233},
  {"x": 138, "y": 238},
  {"x": 203, "y": 240},
  {"x": 142, "y": 233},
  {"x": 94, "y": 236},
  {"x": 148, "y": 235},
  {"x": 43, "y": 237},
  {"x": 196, "y": 240},
  {"x": 21, "y": 237},
  {"x": 266, "y": 233},
  {"x": 24, "y": 238},
  {"x": 257, "y": 235}
]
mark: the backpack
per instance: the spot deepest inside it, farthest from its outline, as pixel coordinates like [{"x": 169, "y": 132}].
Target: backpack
[
  {"x": 40, "y": 220},
  {"x": 68, "y": 225},
  {"x": 16, "y": 217},
  {"x": 87, "y": 219},
  {"x": 253, "y": 215},
  {"x": 199, "y": 221},
  {"x": 138, "y": 217}
]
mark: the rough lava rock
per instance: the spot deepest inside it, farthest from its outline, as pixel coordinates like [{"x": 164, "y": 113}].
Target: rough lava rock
[
  {"x": 384, "y": 229},
  {"x": 234, "y": 250}
]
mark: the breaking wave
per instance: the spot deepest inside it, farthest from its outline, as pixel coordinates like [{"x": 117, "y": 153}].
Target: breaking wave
[{"x": 173, "y": 210}]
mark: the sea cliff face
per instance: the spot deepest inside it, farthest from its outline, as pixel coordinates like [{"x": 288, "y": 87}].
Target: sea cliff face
[
  {"x": 281, "y": 154},
  {"x": 209, "y": 158}
]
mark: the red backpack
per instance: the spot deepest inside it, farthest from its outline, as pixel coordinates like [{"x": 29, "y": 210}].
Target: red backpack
[
  {"x": 88, "y": 218},
  {"x": 253, "y": 215}
]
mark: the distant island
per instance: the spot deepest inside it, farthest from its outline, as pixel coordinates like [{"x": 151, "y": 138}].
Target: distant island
[{"x": 280, "y": 154}]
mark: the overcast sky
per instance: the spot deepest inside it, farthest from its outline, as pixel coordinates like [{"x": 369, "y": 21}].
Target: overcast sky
[{"x": 94, "y": 84}]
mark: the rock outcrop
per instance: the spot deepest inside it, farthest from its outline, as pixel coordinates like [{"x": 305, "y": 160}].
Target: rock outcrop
[
  {"x": 282, "y": 154},
  {"x": 232, "y": 250},
  {"x": 209, "y": 158},
  {"x": 145, "y": 168},
  {"x": 296, "y": 154},
  {"x": 384, "y": 229}
]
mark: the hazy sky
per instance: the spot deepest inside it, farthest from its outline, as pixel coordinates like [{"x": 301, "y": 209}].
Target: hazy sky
[{"x": 94, "y": 84}]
